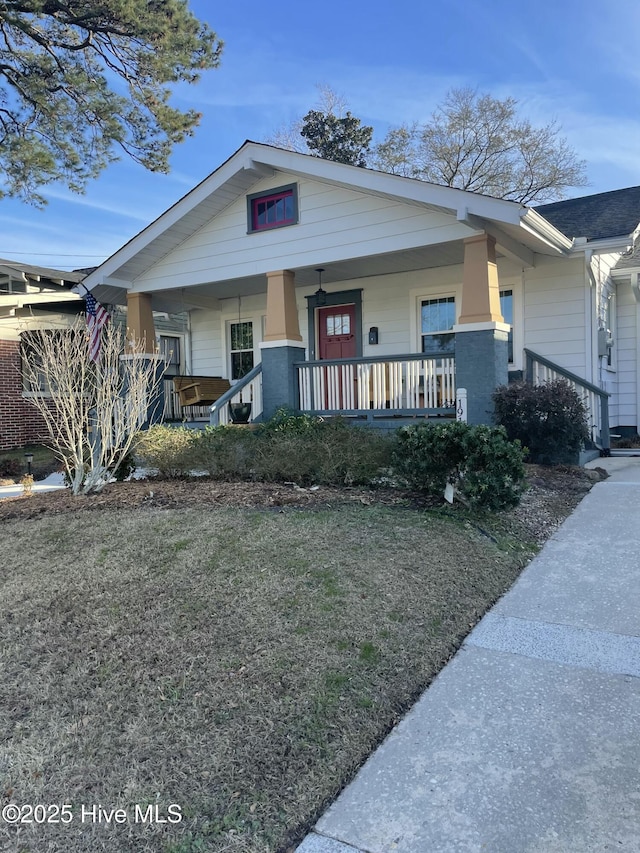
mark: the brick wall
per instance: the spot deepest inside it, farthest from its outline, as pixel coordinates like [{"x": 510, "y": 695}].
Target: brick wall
[{"x": 20, "y": 422}]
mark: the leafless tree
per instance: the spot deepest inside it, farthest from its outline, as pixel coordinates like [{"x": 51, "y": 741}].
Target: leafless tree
[
  {"x": 479, "y": 143},
  {"x": 92, "y": 410}
]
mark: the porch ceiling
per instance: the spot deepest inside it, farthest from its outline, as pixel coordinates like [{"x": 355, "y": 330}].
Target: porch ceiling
[{"x": 206, "y": 295}]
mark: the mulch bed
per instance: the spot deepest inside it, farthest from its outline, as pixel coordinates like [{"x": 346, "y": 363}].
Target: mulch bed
[{"x": 563, "y": 486}]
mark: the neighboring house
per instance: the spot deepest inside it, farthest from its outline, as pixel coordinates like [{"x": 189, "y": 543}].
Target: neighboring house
[
  {"x": 38, "y": 298},
  {"x": 424, "y": 290},
  {"x": 31, "y": 298}
]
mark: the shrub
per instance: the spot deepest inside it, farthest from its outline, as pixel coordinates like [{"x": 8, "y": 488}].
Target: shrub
[
  {"x": 10, "y": 467},
  {"x": 169, "y": 449},
  {"x": 294, "y": 448},
  {"x": 484, "y": 467},
  {"x": 290, "y": 448},
  {"x": 225, "y": 452},
  {"x": 286, "y": 421},
  {"x": 550, "y": 420},
  {"x": 308, "y": 450}
]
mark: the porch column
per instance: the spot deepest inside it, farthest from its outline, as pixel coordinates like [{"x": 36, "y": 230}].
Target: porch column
[
  {"x": 141, "y": 330},
  {"x": 282, "y": 344},
  {"x": 140, "y": 325},
  {"x": 481, "y": 333}
]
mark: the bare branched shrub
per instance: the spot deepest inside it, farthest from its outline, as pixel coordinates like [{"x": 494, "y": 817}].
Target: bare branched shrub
[{"x": 92, "y": 411}]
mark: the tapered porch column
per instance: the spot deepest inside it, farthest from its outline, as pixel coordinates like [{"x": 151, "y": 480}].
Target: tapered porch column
[
  {"x": 141, "y": 332},
  {"x": 140, "y": 325},
  {"x": 481, "y": 333},
  {"x": 282, "y": 344},
  {"x": 282, "y": 310}
]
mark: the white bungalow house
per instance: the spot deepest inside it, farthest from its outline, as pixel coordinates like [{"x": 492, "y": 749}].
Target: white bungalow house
[{"x": 423, "y": 290}]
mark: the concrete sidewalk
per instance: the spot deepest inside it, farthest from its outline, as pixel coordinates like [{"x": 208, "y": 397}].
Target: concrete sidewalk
[{"x": 529, "y": 740}]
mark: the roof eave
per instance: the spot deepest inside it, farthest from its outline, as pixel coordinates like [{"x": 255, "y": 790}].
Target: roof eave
[{"x": 543, "y": 230}]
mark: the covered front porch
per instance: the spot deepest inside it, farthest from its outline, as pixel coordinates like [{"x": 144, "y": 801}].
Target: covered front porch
[{"x": 316, "y": 345}]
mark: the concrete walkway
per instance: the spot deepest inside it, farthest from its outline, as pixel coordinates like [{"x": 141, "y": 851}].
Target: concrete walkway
[
  {"x": 529, "y": 740},
  {"x": 51, "y": 483}
]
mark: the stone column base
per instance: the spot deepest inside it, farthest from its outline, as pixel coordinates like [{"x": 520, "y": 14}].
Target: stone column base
[
  {"x": 481, "y": 366},
  {"x": 279, "y": 377}
]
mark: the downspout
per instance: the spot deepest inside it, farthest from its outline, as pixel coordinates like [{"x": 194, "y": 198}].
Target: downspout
[{"x": 591, "y": 344}]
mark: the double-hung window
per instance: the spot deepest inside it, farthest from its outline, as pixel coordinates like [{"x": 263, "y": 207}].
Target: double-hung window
[
  {"x": 437, "y": 319},
  {"x": 241, "y": 348},
  {"x": 170, "y": 352}
]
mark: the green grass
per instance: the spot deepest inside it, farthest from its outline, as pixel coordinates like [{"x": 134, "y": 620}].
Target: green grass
[{"x": 239, "y": 663}]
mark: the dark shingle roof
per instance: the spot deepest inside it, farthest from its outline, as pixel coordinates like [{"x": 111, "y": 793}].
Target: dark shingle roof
[{"x": 612, "y": 214}]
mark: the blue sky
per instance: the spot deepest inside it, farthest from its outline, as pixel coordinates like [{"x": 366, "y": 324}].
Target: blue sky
[{"x": 575, "y": 62}]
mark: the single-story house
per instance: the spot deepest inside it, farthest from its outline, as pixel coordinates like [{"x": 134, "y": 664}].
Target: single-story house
[{"x": 328, "y": 287}]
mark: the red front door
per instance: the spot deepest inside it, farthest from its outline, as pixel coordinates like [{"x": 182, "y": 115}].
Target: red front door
[
  {"x": 337, "y": 339},
  {"x": 337, "y": 332}
]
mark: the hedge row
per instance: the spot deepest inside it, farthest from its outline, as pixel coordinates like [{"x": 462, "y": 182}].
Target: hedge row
[{"x": 479, "y": 463}]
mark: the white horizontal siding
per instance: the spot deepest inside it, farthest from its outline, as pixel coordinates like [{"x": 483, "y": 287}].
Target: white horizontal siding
[
  {"x": 627, "y": 358},
  {"x": 206, "y": 344},
  {"x": 334, "y": 224},
  {"x": 209, "y": 333},
  {"x": 390, "y": 302},
  {"x": 554, "y": 312}
]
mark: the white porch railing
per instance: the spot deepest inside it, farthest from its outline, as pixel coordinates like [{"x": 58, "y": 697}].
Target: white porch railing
[
  {"x": 539, "y": 370},
  {"x": 403, "y": 384},
  {"x": 246, "y": 390}
]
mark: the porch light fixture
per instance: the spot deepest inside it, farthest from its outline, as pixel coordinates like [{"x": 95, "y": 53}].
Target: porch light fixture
[{"x": 320, "y": 294}]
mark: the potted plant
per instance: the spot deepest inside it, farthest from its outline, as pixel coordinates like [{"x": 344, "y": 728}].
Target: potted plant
[{"x": 239, "y": 413}]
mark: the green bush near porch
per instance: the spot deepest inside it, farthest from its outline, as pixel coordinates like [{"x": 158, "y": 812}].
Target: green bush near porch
[
  {"x": 550, "y": 420},
  {"x": 170, "y": 450},
  {"x": 484, "y": 467},
  {"x": 290, "y": 447}
]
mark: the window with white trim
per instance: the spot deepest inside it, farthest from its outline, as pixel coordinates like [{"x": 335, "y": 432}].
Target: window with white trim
[
  {"x": 437, "y": 319},
  {"x": 241, "y": 348}
]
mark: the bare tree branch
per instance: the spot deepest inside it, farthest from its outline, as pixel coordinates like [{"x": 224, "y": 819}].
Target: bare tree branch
[
  {"x": 92, "y": 411},
  {"x": 478, "y": 143}
]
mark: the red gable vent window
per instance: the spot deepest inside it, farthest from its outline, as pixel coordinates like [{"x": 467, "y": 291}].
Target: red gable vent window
[{"x": 273, "y": 210}]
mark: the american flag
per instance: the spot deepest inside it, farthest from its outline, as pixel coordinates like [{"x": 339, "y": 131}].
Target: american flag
[{"x": 97, "y": 317}]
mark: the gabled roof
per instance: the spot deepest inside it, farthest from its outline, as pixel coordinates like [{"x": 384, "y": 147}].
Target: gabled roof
[
  {"x": 596, "y": 217},
  {"x": 40, "y": 276},
  {"x": 253, "y": 161}
]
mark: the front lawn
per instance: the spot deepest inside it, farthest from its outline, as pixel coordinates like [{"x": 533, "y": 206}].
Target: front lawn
[{"x": 239, "y": 663}]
